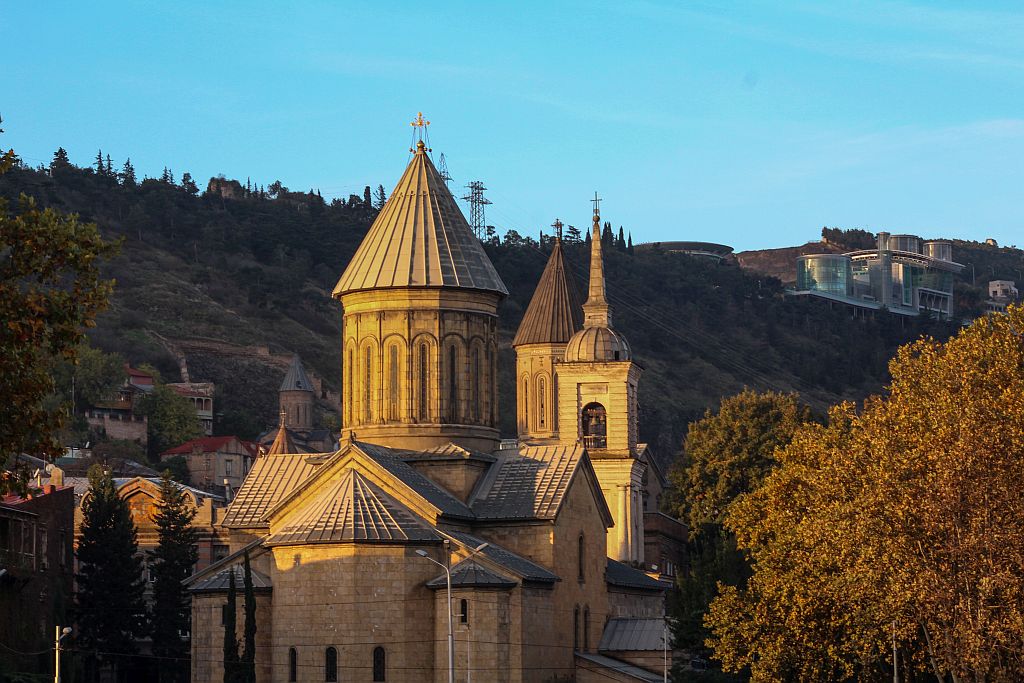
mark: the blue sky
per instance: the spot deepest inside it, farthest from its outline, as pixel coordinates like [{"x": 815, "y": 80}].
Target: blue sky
[{"x": 752, "y": 124}]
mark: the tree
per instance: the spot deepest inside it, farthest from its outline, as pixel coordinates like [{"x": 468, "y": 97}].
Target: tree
[
  {"x": 231, "y": 662},
  {"x": 50, "y": 292},
  {"x": 629, "y": 244},
  {"x": 248, "y": 666},
  {"x": 167, "y": 177},
  {"x": 109, "y": 170},
  {"x": 172, "y": 419},
  {"x": 607, "y": 236},
  {"x": 620, "y": 241},
  {"x": 60, "y": 160},
  {"x": 366, "y": 196},
  {"x": 171, "y": 563},
  {"x": 188, "y": 184},
  {"x": 899, "y": 523},
  {"x": 380, "y": 198},
  {"x": 177, "y": 467},
  {"x": 128, "y": 174},
  {"x": 100, "y": 166},
  {"x": 572, "y": 235},
  {"x": 94, "y": 376},
  {"x": 110, "y": 610}
]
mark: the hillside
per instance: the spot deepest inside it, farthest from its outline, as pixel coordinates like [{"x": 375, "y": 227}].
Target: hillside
[{"x": 234, "y": 286}]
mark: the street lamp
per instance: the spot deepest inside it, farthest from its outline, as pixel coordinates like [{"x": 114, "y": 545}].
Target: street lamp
[
  {"x": 60, "y": 634},
  {"x": 448, "y": 579}
]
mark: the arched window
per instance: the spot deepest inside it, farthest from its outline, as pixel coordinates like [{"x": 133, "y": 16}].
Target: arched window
[
  {"x": 526, "y": 404},
  {"x": 378, "y": 664},
  {"x": 367, "y": 385},
  {"x": 423, "y": 409},
  {"x": 477, "y": 408},
  {"x": 576, "y": 627},
  {"x": 453, "y": 387},
  {"x": 393, "y": 384},
  {"x": 595, "y": 426},
  {"x": 350, "y": 372},
  {"x": 331, "y": 665},
  {"x": 542, "y": 403},
  {"x": 586, "y": 629},
  {"x": 581, "y": 559},
  {"x": 293, "y": 665},
  {"x": 491, "y": 418},
  {"x": 463, "y": 611}
]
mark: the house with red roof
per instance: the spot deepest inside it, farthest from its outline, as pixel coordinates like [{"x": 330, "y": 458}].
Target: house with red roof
[{"x": 216, "y": 462}]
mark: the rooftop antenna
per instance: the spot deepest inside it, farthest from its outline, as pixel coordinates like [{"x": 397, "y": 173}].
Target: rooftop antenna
[
  {"x": 477, "y": 202},
  {"x": 442, "y": 169},
  {"x": 420, "y": 133}
]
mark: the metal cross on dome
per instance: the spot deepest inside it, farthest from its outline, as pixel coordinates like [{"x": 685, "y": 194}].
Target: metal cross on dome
[
  {"x": 597, "y": 205},
  {"x": 420, "y": 134}
]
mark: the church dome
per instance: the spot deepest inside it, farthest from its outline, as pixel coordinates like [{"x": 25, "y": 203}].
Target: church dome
[{"x": 597, "y": 344}]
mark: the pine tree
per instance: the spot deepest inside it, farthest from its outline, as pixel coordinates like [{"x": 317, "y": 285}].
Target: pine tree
[
  {"x": 172, "y": 562},
  {"x": 109, "y": 170},
  {"x": 110, "y": 609},
  {"x": 100, "y": 167},
  {"x": 248, "y": 669},
  {"x": 60, "y": 160},
  {"x": 167, "y": 176},
  {"x": 230, "y": 636},
  {"x": 188, "y": 184},
  {"x": 381, "y": 197},
  {"x": 572, "y": 235},
  {"x": 128, "y": 174}
]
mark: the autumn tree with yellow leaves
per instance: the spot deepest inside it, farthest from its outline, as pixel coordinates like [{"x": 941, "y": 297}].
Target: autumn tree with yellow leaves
[{"x": 893, "y": 535}]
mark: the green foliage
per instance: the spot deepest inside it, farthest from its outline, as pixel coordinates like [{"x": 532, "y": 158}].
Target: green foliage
[
  {"x": 171, "y": 563},
  {"x": 93, "y": 377},
  {"x": 849, "y": 239},
  {"x": 177, "y": 467},
  {"x": 50, "y": 292},
  {"x": 118, "y": 449},
  {"x": 110, "y": 610},
  {"x": 172, "y": 419}
]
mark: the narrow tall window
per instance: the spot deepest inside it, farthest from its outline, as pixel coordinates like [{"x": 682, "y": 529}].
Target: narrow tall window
[
  {"x": 453, "y": 387},
  {"x": 331, "y": 665},
  {"x": 542, "y": 403},
  {"x": 424, "y": 375},
  {"x": 378, "y": 664},
  {"x": 576, "y": 628},
  {"x": 491, "y": 419},
  {"x": 586, "y": 629},
  {"x": 526, "y": 404},
  {"x": 393, "y": 385},
  {"x": 367, "y": 382},
  {"x": 477, "y": 407},
  {"x": 293, "y": 665},
  {"x": 463, "y": 611},
  {"x": 581, "y": 559},
  {"x": 350, "y": 372}
]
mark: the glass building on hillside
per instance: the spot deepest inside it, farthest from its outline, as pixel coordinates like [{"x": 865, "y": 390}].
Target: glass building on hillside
[{"x": 904, "y": 275}]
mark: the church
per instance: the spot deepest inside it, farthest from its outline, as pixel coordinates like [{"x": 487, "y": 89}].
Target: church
[{"x": 353, "y": 550}]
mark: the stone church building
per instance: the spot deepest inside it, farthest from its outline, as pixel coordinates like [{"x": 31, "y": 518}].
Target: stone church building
[{"x": 541, "y": 533}]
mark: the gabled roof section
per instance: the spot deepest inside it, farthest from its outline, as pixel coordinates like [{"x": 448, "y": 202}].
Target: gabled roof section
[
  {"x": 296, "y": 378},
  {"x": 219, "y": 582},
  {"x": 555, "y": 312},
  {"x": 469, "y": 574},
  {"x": 420, "y": 239},
  {"x": 532, "y": 483},
  {"x": 624, "y": 576},
  {"x": 353, "y": 509},
  {"x": 516, "y": 564},
  {"x": 392, "y": 461},
  {"x": 272, "y": 478}
]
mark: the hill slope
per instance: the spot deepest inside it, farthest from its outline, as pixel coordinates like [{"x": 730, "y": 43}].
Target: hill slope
[{"x": 216, "y": 280}]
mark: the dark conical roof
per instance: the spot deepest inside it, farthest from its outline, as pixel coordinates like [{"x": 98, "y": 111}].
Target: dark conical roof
[
  {"x": 420, "y": 239},
  {"x": 555, "y": 311},
  {"x": 296, "y": 378}
]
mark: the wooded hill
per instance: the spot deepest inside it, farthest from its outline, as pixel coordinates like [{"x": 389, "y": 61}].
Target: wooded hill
[{"x": 216, "y": 277}]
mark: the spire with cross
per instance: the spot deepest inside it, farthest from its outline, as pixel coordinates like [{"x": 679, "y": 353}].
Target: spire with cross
[
  {"x": 557, "y": 225},
  {"x": 420, "y": 135}
]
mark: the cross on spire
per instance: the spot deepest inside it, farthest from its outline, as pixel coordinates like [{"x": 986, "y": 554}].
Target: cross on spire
[
  {"x": 557, "y": 225},
  {"x": 420, "y": 135},
  {"x": 597, "y": 208}
]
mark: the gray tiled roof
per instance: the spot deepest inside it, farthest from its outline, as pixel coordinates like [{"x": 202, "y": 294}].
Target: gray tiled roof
[
  {"x": 392, "y": 461},
  {"x": 420, "y": 239},
  {"x": 555, "y": 312},
  {"x": 296, "y": 378},
  {"x": 219, "y": 581},
  {"x": 529, "y": 484},
  {"x": 448, "y": 451},
  {"x": 627, "y": 635},
  {"x": 631, "y": 670},
  {"x": 271, "y": 478},
  {"x": 353, "y": 509},
  {"x": 517, "y": 564},
  {"x": 470, "y": 574},
  {"x": 624, "y": 576}
]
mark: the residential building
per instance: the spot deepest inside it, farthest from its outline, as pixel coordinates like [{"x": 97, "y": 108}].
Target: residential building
[
  {"x": 346, "y": 545},
  {"x": 216, "y": 463},
  {"x": 1001, "y": 293},
  {"x": 201, "y": 396}
]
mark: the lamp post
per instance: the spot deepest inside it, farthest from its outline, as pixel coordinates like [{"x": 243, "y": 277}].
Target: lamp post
[{"x": 61, "y": 634}]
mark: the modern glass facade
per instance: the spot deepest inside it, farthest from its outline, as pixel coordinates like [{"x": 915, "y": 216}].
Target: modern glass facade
[{"x": 828, "y": 273}]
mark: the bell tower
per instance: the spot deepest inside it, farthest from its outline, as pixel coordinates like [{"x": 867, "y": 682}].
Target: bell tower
[{"x": 597, "y": 406}]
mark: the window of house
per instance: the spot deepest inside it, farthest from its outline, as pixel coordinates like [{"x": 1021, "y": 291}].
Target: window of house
[
  {"x": 463, "y": 611},
  {"x": 227, "y": 468},
  {"x": 378, "y": 664},
  {"x": 219, "y": 552},
  {"x": 331, "y": 665},
  {"x": 581, "y": 559},
  {"x": 293, "y": 665}
]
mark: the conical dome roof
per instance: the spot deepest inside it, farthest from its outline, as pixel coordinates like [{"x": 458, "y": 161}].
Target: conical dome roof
[
  {"x": 420, "y": 239},
  {"x": 555, "y": 311},
  {"x": 296, "y": 378}
]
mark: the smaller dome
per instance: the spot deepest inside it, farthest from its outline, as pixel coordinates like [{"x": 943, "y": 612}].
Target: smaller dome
[{"x": 597, "y": 344}]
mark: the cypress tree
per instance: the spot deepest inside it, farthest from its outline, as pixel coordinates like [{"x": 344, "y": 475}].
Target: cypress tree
[
  {"x": 620, "y": 243},
  {"x": 629, "y": 244},
  {"x": 248, "y": 673},
  {"x": 110, "y": 609},
  {"x": 172, "y": 562},
  {"x": 607, "y": 237},
  {"x": 366, "y": 196},
  {"x": 230, "y": 638}
]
